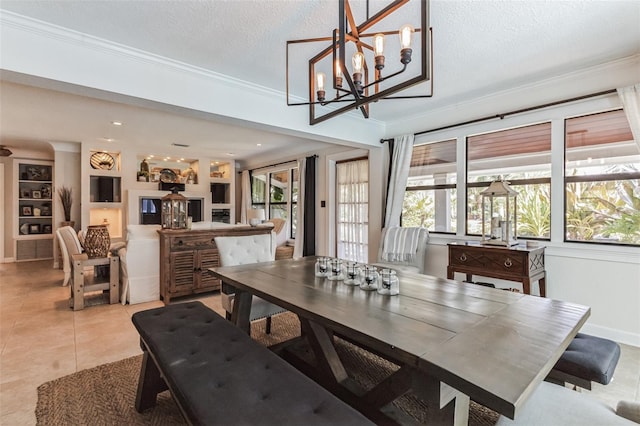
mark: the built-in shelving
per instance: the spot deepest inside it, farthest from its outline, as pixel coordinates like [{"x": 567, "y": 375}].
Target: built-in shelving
[{"x": 34, "y": 208}]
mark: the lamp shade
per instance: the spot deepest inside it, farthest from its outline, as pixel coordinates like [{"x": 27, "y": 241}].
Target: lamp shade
[{"x": 255, "y": 216}]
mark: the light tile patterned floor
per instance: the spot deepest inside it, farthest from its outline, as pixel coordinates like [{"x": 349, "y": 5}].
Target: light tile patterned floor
[{"x": 41, "y": 339}]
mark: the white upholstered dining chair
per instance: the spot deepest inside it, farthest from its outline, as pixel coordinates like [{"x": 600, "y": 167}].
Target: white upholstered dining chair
[{"x": 244, "y": 250}]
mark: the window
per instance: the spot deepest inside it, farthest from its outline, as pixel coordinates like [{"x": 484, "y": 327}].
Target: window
[
  {"x": 522, "y": 157},
  {"x": 281, "y": 185},
  {"x": 602, "y": 180},
  {"x": 430, "y": 197}
]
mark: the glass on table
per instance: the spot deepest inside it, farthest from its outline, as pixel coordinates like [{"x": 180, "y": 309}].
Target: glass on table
[
  {"x": 389, "y": 283},
  {"x": 353, "y": 272},
  {"x": 369, "y": 278},
  {"x": 322, "y": 267},
  {"x": 337, "y": 270}
]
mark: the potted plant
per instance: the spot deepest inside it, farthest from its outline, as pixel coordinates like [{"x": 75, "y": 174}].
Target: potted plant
[{"x": 66, "y": 198}]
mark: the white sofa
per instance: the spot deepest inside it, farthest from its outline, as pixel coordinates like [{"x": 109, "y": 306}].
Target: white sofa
[{"x": 140, "y": 265}]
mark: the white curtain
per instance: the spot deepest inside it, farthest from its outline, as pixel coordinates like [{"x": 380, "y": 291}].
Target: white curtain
[
  {"x": 298, "y": 247},
  {"x": 352, "y": 193},
  {"x": 630, "y": 97},
  {"x": 246, "y": 196},
  {"x": 400, "y": 162}
]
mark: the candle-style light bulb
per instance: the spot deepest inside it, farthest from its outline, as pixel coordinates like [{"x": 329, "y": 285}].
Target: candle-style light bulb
[
  {"x": 320, "y": 79},
  {"x": 378, "y": 50},
  {"x": 358, "y": 63},
  {"x": 406, "y": 33},
  {"x": 338, "y": 74}
]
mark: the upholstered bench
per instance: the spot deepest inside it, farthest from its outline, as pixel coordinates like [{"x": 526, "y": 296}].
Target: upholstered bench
[
  {"x": 218, "y": 375},
  {"x": 587, "y": 359},
  {"x": 551, "y": 405}
]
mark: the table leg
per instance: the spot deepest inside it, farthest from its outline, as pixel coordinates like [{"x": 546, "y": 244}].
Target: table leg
[
  {"x": 321, "y": 342},
  {"x": 77, "y": 289},
  {"x": 242, "y": 310},
  {"x": 526, "y": 286},
  {"x": 114, "y": 279},
  {"x": 446, "y": 404},
  {"x": 542, "y": 284},
  {"x": 450, "y": 273}
]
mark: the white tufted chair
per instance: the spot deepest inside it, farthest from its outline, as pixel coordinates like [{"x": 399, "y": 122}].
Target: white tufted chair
[
  {"x": 417, "y": 263},
  {"x": 241, "y": 251}
]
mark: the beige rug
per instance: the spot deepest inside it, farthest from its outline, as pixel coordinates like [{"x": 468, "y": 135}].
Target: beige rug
[{"x": 105, "y": 395}]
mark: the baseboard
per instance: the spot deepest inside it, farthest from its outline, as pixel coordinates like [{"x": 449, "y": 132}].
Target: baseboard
[
  {"x": 625, "y": 337},
  {"x": 8, "y": 260}
]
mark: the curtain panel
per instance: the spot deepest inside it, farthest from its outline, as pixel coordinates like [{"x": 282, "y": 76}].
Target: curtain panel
[
  {"x": 245, "y": 189},
  {"x": 398, "y": 175}
]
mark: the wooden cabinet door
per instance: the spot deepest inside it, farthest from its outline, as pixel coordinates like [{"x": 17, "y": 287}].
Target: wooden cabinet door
[
  {"x": 207, "y": 258},
  {"x": 183, "y": 270}
]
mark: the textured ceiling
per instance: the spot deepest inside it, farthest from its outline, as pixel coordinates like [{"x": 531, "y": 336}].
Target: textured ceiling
[{"x": 480, "y": 47}]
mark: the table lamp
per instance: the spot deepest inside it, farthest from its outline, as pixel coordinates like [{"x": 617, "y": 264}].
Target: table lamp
[{"x": 255, "y": 216}]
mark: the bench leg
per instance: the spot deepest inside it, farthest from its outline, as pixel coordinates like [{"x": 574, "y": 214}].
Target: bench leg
[{"x": 150, "y": 384}]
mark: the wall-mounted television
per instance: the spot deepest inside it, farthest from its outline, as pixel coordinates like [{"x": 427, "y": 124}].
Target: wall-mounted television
[{"x": 105, "y": 189}]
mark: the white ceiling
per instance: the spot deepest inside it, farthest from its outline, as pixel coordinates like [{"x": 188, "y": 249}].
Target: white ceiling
[{"x": 480, "y": 47}]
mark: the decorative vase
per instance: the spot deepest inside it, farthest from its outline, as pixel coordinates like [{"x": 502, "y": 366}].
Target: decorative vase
[{"x": 97, "y": 241}]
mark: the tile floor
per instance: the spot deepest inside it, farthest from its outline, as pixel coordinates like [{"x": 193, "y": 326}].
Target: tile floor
[{"x": 41, "y": 339}]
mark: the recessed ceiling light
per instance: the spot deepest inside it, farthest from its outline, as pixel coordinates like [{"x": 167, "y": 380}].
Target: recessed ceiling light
[
  {"x": 150, "y": 155},
  {"x": 182, "y": 159},
  {"x": 117, "y": 123},
  {"x": 258, "y": 144},
  {"x": 106, "y": 139},
  {"x": 230, "y": 154}
]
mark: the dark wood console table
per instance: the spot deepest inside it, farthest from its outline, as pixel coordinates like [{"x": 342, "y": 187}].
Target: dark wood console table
[{"x": 517, "y": 263}]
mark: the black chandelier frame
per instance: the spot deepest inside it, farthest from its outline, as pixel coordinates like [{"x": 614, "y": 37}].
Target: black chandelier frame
[{"x": 349, "y": 31}]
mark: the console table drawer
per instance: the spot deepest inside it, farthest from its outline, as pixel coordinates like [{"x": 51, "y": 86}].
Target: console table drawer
[
  {"x": 506, "y": 262},
  {"x": 192, "y": 242}
]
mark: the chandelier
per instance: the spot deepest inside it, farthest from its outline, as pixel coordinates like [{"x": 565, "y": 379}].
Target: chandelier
[{"x": 361, "y": 68}]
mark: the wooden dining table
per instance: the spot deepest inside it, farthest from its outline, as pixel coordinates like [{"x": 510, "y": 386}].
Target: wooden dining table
[{"x": 452, "y": 341}]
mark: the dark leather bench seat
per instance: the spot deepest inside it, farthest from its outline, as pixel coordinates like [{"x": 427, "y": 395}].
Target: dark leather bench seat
[
  {"x": 587, "y": 359},
  {"x": 218, "y": 375}
]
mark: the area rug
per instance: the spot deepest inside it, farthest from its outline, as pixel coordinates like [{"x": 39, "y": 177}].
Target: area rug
[{"x": 105, "y": 395}]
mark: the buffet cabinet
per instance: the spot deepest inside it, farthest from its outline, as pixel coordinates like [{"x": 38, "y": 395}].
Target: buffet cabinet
[{"x": 187, "y": 255}]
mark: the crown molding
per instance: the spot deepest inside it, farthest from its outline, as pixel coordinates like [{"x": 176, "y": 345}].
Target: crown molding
[{"x": 101, "y": 45}]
